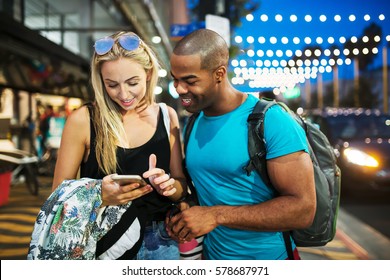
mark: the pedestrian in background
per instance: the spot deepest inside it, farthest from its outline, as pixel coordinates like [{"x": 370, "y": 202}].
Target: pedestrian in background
[
  {"x": 44, "y": 126},
  {"x": 241, "y": 217}
]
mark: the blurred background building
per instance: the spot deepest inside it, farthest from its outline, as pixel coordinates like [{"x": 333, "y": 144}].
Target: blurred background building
[{"x": 45, "y": 49}]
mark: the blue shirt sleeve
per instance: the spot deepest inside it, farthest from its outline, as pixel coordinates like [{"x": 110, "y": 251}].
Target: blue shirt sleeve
[{"x": 283, "y": 135}]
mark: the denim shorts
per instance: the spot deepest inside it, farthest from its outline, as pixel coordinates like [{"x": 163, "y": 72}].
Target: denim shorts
[{"x": 157, "y": 245}]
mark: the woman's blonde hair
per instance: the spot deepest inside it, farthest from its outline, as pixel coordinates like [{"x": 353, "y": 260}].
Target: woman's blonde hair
[{"x": 107, "y": 118}]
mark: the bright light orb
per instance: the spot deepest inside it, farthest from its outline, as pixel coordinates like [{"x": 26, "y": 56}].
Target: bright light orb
[
  {"x": 307, "y": 40},
  {"x": 250, "y": 53},
  {"x": 162, "y": 73},
  {"x": 264, "y": 18},
  {"x": 261, "y": 40},
  {"x": 293, "y": 18},
  {"x": 296, "y": 40},
  {"x": 156, "y": 39},
  {"x": 249, "y": 17},
  {"x": 234, "y": 62},
  {"x": 270, "y": 53},
  {"x": 278, "y": 18},
  {"x": 158, "y": 90},
  {"x": 243, "y": 63},
  {"x": 238, "y": 39},
  {"x": 260, "y": 53},
  {"x": 273, "y": 40},
  {"x": 327, "y": 52}
]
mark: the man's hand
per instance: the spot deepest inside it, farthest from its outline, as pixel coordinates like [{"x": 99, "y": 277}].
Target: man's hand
[{"x": 192, "y": 222}]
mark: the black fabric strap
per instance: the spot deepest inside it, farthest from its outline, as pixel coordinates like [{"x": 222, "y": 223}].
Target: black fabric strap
[
  {"x": 287, "y": 242},
  {"x": 112, "y": 236}
]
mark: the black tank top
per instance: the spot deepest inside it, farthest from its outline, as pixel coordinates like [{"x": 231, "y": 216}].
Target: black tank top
[{"x": 136, "y": 161}]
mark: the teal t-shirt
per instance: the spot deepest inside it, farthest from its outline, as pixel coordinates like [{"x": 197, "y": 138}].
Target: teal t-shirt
[{"x": 216, "y": 154}]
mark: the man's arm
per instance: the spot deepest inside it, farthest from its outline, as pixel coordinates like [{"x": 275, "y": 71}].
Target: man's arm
[{"x": 293, "y": 178}]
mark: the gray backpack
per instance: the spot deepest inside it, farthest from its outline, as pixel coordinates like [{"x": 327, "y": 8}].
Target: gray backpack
[{"x": 327, "y": 174}]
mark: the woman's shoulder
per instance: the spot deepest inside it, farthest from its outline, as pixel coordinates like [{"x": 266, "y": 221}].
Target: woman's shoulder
[{"x": 79, "y": 116}]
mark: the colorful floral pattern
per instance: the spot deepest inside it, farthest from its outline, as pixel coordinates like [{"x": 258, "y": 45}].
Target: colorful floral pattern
[{"x": 71, "y": 222}]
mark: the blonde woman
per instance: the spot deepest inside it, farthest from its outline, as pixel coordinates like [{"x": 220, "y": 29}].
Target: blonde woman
[{"x": 124, "y": 132}]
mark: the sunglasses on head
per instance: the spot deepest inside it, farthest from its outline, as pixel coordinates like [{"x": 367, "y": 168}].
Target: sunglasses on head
[{"x": 128, "y": 42}]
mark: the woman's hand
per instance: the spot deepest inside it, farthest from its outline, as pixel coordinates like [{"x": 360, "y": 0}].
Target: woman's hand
[
  {"x": 115, "y": 194},
  {"x": 161, "y": 181}
]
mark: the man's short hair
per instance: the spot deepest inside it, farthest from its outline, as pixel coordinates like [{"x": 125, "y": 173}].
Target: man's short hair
[{"x": 209, "y": 45}]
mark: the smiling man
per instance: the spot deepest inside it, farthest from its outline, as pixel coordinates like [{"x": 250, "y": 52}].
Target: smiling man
[{"x": 241, "y": 217}]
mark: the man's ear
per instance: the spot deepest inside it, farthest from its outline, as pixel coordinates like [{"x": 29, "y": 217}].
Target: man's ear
[{"x": 220, "y": 73}]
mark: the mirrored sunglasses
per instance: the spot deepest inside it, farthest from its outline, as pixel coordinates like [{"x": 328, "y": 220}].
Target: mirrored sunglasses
[{"x": 128, "y": 42}]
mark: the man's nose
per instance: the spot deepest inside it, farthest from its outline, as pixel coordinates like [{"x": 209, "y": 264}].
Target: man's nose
[{"x": 181, "y": 88}]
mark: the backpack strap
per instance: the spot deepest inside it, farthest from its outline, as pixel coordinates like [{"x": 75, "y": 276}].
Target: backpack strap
[
  {"x": 192, "y": 197},
  {"x": 188, "y": 129},
  {"x": 257, "y": 151},
  {"x": 256, "y": 141}
]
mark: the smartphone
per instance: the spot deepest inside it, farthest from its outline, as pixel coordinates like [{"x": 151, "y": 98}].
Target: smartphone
[{"x": 128, "y": 179}]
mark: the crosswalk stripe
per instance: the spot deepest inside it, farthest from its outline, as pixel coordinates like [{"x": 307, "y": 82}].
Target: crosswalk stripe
[
  {"x": 15, "y": 253},
  {"x": 14, "y": 239},
  {"x": 17, "y": 217},
  {"x": 17, "y": 220},
  {"x": 14, "y": 227}
]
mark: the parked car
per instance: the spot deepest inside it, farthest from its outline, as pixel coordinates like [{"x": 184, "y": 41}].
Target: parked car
[{"x": 361, "y": 139}]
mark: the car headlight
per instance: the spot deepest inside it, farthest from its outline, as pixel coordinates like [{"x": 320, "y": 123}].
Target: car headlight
[{"x": 361, "y": 158}]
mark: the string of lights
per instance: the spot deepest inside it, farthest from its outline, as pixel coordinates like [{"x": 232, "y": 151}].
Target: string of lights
[
  {"x": 309, "y": 18},
  {"x": 289, "y": 60}
]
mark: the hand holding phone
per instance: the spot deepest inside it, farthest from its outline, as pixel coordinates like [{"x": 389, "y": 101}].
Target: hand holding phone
[{"x": 128, "y": 179}]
